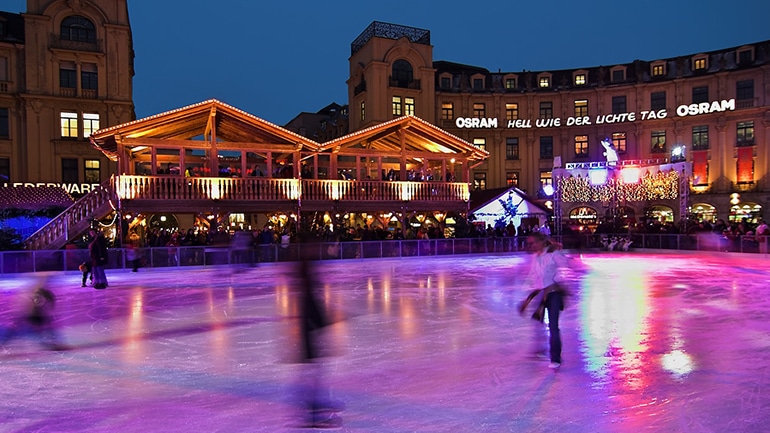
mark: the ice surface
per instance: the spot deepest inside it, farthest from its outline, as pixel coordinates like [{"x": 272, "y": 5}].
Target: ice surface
[{"x": 652, "y": 343}]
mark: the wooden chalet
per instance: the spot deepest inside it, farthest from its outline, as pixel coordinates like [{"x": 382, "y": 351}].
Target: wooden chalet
[{"x": 213, "y": 158}]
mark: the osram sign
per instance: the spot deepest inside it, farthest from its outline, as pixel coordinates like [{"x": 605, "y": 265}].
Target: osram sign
[{"x": 555, "y": 122}]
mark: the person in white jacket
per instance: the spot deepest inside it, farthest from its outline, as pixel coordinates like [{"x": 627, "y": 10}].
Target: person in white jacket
[{"x": 548, "y": 295}]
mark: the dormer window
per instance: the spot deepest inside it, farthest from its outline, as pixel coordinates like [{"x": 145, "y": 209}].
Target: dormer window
[
  {"x": 510, "y": 83},
  {"x": 544, "y": 82},
  {"x": 618, "y": 74},
  {"x": 745, "y": 56},
  {"x": 478, "y": 84},
  {"x": 699, "y": 64},
  {"x": 580, "y": 79},
  {"x": 445, "y": 82},
  {"x": 658, "y": 69}
]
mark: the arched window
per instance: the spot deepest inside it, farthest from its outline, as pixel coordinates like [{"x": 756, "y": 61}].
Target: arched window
[
  {"x": 402, "y": 73},
  {"x": 77, "y": 28}
]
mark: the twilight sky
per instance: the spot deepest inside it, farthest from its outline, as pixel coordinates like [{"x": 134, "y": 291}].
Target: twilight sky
[{"x": 275, "y": 59}]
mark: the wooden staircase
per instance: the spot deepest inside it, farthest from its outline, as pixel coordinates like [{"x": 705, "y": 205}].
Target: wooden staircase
[{"x": 76, "y": 219}]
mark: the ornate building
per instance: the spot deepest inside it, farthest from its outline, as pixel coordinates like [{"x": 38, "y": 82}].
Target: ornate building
[
  {"x": 715, "y": 104},
  {"x": 66, "y": 70}
]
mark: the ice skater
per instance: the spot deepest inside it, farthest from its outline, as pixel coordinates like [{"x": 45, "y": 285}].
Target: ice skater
[
  {"x": 548, "y": 295},
  {"x": 36, "y": 318},
  {"x": 85, "y": 268},
  {"x": 319, "y": 410},
  {"x": 97, "y": 250}
]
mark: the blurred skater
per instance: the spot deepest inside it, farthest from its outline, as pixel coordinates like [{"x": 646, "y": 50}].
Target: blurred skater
[
  {"x": 547, "y": 296},
  {"x": 85, "y": 268},
  {"x": 99, "y": 258},
  {"x": 132, "y": 256},
  {"x": 36, "y": 319},
  {"x": 319, "y": 410}
]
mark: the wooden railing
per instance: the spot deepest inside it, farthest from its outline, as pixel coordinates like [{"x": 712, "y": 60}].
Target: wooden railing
[
  {"x": 213, "y": 188},
  {"x": 75, "y": 220}
]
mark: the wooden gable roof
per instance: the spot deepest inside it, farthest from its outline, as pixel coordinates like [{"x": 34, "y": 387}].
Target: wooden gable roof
[
  {"x": 419, "y": 139},
  {"x": 198, "y": 125}
]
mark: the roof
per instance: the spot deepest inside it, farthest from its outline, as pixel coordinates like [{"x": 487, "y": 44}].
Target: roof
[
  {"x": 207, "y": 120},
  {"x": 34, "y": 198},
  {"x": 481, "y": 198},
  {"x": 420, "y": 137}
]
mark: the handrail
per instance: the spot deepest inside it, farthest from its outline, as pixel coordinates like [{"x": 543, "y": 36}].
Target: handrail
[{"x": 58, "y": 230}]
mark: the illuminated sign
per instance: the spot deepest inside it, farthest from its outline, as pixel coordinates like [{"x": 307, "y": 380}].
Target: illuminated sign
[
  {"x": 555, "y": 122},
  {"x": 71, "y": 188}
]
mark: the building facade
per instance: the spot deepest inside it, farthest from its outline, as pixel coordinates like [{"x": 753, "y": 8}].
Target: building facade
[
  {"x": 66, "y": 70},
  {"x": 715, "y": 105}
]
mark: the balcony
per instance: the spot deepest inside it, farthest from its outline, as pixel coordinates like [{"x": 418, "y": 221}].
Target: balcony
[
  {"x": 57, "y": 42},
  {"x": 175, "y": 193},
  {"x": 405, "y": 84}
]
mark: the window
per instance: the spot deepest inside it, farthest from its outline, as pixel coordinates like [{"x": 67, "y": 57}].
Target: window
[
  {"x": 700, "y": 94},
  {"x": 546, "y": 147},
  {"x": 546, "y": 110},
  {"x": 580, "y": 79},
  {"x": 619, "y": 141},
  {"x": 545, "y": 82},
  {"x": 409, "y": 106},
  {"x": 745, "y": 57},
  {"x": 658, "y": 142},
  {"x": 69, "y": 125},
  {"x": 745, "y": 134},
  {"x": 700, "y": 137},
  {"x": 4, "y": 69},
  {"x": 546, "y": 178},
  {"x": 618, "y": 104},
  {"x": 511, "y": 111},
  {"x": 512, "y": 178},
  {"x": 658, "y": 101},
  {"x": 512, "y": 148},
  {"x": 744, "y": 93},
  {"x": 479, "y": 180},
  {"x": 581, "y": 146},
  {"x": 581, "y": 108},
  {"x": 447, "y": 111},
  {"x": 481, "y": 143},
  {"x": 90, "y": 124},
  {"x": 397, "y": 106},
  {"x": 479, "y": 109},
  {"x": 699, "y": 64},
  {"x": 478, "y": 84},
  {"x": 68, "y": 75},
  {"x": 89, "y": 79},
  {"x": 658, "y": 70},
  {"x": 510, "y": 83},
  {"x": 402, "y": 73},
  {"x": 5, "y": 170},
  {"x": 77, "y": 28},
  {"x": 91, "y": 172},
  {"x": 618, "y": 75},
  {"x": 446, "y": 82},
  {"x": 69, "y": 170},
  {"x": 5, "y": 128},
  {"x": 363, "y": 111}
]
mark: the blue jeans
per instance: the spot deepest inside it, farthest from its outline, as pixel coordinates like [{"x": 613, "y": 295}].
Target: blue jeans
[{"x": 554, "y": 303}]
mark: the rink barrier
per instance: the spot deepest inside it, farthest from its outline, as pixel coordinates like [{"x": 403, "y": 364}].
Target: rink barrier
[{"x": 12, "y": 262}]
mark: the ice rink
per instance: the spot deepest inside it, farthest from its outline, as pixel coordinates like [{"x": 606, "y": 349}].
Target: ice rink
[{"x": 652, "y": 343}]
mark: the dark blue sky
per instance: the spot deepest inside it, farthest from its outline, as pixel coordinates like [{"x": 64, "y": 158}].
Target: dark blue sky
[{"x": 276, "y": 59}]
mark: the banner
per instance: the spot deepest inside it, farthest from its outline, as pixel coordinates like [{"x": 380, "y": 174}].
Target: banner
[
  {"x": 700, "y": 167},
  {"x": 745, "y": 164}
]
